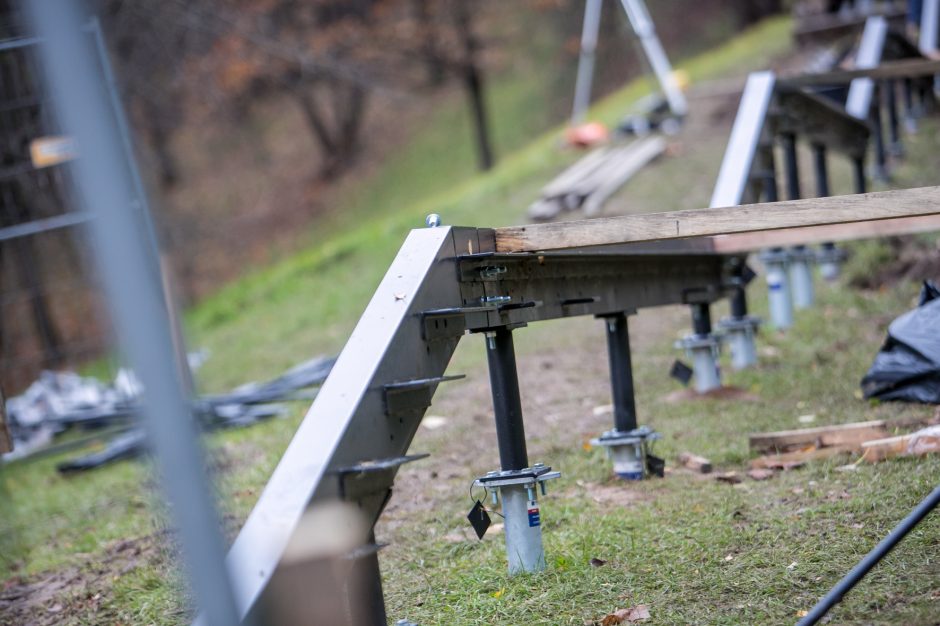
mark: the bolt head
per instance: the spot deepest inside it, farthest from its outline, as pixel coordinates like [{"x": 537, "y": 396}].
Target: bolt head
[{"x": 433, "y": 220}]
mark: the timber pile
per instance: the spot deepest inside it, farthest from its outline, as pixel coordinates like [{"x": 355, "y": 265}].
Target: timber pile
[
  {"x": 592, "y": 180},
  {"x": 874, "y": 440}
]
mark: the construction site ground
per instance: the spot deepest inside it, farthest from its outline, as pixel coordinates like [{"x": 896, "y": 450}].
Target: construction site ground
[{"x": 94, "y": 548}]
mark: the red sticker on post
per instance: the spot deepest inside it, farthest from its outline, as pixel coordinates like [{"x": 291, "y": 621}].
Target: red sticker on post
[{"x": 534, "y": 517}]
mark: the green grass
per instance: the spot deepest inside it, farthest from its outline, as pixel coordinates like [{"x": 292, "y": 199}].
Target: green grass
[
  {"x": 667, "y": 547},
  {"x": 308, "y": 303}
]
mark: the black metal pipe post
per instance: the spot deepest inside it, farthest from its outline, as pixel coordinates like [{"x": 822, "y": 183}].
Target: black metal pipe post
[
  {"x": 858, "y": 174},
  {"x": 890, "y": 89},
  {"x": 908, "y": 89},
  {"x": 821, "y": 169},
  {"x": 881, "y": 170},
  {"x": 738, "y": 300},
  {"x": 701, "y": 319},
  {"x": 507, "y": 406},
  {"x": 621, "y": 372},
  {"x": 791, "y": 166},
  {"x": 871, "y": 559}
]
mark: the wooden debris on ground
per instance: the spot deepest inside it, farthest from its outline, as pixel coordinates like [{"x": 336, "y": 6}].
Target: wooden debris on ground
[
  {"x": 695, "y": 462},
  {"x": 789, "y": 449},
  {"x": 732, "y": 478},
  {"x": 634, "y": 614},
  {"x": 760, "y": 474},
  {"x": 924, "y": 441}
]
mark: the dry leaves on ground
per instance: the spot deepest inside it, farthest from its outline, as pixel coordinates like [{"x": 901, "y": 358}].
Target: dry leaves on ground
[{"x": 637, "y": 613}]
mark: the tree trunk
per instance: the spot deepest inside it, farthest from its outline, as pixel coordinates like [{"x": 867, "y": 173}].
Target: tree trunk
[
  {"x": 430, "y": 47},
  {"x": 338, "y": 138},
  {"x": 472, "y": 78}
]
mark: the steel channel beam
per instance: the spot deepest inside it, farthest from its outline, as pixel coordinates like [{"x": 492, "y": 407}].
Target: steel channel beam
[
  {"x": 585, "y": 77},
  {"x": 861, "y": 90},
  {"x": 929, "y": 25},
  {"x": 552, "y": 286},
  {"x": 819, "y": 121},
  {"x": 746, "y": 134},
  {"x": 367, "y": 410},
  {"x": 645, "y": 30}
]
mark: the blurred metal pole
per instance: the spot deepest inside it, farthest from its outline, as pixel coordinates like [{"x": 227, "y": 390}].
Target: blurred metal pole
[
  {"x": 124, "y": 257},
  {"x": 585, "y": 78}
]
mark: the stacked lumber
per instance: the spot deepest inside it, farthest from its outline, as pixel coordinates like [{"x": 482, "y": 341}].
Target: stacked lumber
[{"x": 593, "y": 179}]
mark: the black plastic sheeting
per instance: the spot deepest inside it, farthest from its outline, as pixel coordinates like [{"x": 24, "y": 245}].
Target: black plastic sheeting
[{"x": 907, "y": 368}]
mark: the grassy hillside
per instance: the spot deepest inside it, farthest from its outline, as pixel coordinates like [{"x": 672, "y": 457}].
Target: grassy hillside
[
  {"x": 97, "y": 542},
  {"x": 308, "y": 303}
]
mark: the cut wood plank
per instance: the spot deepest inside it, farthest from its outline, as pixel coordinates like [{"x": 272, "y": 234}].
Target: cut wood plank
[
  {"x": 881, "y": 449},
  {"x": 926, "y": 441},
  {"x": 746, "y": 242},
  {"x": 646, "y": 150},
  {"x": 722, "y": 221},
  {"x": 820, "y": 436},
  {"x": 695, "y": 462},
  {"x": 791, "y": 460}
]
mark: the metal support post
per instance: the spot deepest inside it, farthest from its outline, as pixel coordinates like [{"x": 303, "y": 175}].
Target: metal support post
[
  {"x": 891, "y": 101},
  {"x": 830, "y": 258},
  {"x": 858, "y": 175},
  {"x": 582, "y": 88},
  {"x": 881, "y": 167},
  {"x": 910, "y": 113},
  {"x": 627, "y": 445},
  {"x": 739, "y": 328},
  {"x": 775, "y": 263},
  {"x": 703, "y": 348},
  {"x": 516, "y": 483},
  {"x": 801, "y": 276},
  {"x": 507, "y": 405}
]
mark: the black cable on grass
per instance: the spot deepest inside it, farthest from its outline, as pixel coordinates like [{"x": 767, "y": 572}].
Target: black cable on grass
[{"x": 871, "y": 559}]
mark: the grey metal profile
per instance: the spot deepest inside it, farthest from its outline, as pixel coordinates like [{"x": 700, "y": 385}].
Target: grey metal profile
[
  {"x": 735, "y": 174},
  {"x": 929, "y": 25},
  {"x": 586, "y": 58},
  {"x": 646, "y": 31},
  {"x": 36, "y": 227},
  {"x": 104, "y": 188},
  {"x": 871, "y": 48}
]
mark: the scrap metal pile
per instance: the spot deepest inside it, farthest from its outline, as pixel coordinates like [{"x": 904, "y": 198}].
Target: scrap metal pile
[{"x": 61, "y": 402}]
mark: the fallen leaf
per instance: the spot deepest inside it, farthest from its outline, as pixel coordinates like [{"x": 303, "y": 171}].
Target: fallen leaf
[
  {"x": 596, "y": 562},
  {"x": 802, "y": 613},
  {"x": 760, "y": 474},
  {"x": 732, "y": 478},
  {"x": 635, "y": 614}
]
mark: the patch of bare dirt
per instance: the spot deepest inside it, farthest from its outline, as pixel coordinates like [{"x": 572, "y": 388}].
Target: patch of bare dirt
[
  {"x": 735, "y": 394},
  {"x": 80, "y": 593}
]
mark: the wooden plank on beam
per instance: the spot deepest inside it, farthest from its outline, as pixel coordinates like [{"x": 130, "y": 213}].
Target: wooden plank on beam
[
  {"x": 746, "y": 242},
  {"x": 722, "y": 221}
]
